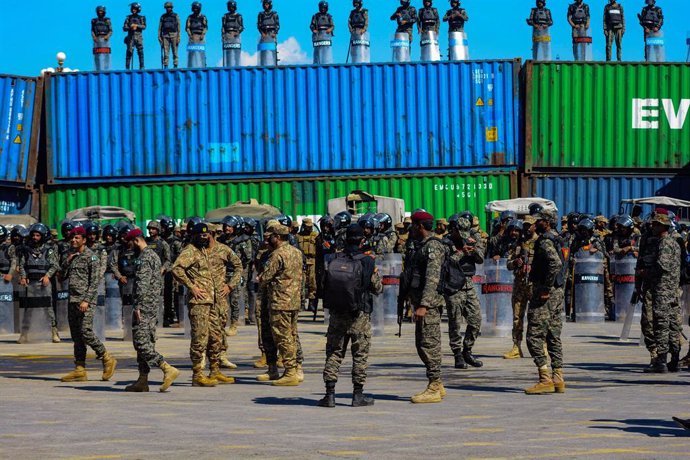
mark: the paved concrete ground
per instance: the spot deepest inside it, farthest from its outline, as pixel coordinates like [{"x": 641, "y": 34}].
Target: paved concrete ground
[{"x": 610, "y": 409}]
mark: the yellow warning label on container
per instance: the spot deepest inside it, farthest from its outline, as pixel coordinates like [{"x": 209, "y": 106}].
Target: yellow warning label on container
[
  {"x": 492, "y": 134},
  {"x": 18, "y": 139},
  {"x": 491, "y": 102},
  {"x": 480, "y": 102},
  {"x": 19, "y": 127}
]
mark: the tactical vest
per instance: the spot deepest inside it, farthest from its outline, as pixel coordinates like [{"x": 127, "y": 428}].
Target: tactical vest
[
  {"x": 580, "y": 15},
  {"x": 231, "y": 22},
  {"x": 537, "y": 276},
  {"x": 308, "y": 245},
  {"x": 651, "y": 17},
  {"x": 126, "y": 263},
  {"x": 323, "y": 21},
  {"x": 357, "y": 19},
  {"x": 268, "y": 21},
  {"x": 169, "y": 23},
  {"x": 157, "y": 248},
  {"x": 541, "y": 16},
  {"x": 5, "y": 261},
  {"x": 417, "y": 274},
  {"x": 136, "y": 19},
  {"x": 456, "y": 22},
  {"x": 100, "y": 27},
  {"x": 196, "y": 24},
  {"x": 615, "y": 17},
  {"x": 427, "y": 17},
  {"x": 238, "y": 246},
  {"x": 36, "y": 263}
]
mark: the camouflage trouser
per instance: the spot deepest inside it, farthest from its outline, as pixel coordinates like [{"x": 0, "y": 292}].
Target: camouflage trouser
[
  {"x": 222, "y": 308},
  {"x": 667, "y": 323},
  {"x": 522, "y": 293},
  {"x": 345, "y": 328},
  {"x": 170, "y": 42},
  {"x": 310, "y": 280},
  {"x": 260, "y": 319},
  {"x": 267, "y": 344},
  {"x": 284, "y": 331},
  {"x": 238, "y": 299},
  {"x": 144, "y": 338},
  {"x": 135, "y": 40},
  {"x": 465, "y": 303},
  {"x": 81, "y": 329},
  {"x": 206, "y": 334},
  {"x": 647, "y": 323},
  {"x": 612, "y": 35},
  {"x": 608, "y": 289},
  {"x": 428, "y": 342},
  {"x": 545, "y": 324}
]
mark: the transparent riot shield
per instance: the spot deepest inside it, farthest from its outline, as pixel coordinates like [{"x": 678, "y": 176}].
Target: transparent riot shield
[
  {"x": 268, "y": 52},
  {"x": 99, "y": 321},
  {"x": 430, "y": 51},
  {"x": 386, "y": 304},
  {"x": 185, "y": 323},
  {"x": 360, "y": 48},
  {"x": 37, "y": 312},
  {"x": 623, "y": 271},
  {"x": 458, "y": 46},
  {"x": 632, "y": 311},
  {"x": 655, "y": 50},
  {"x": 323, "y": 47},
  {"x": 478, "y": 280},
  {"x": 196, "y": 55},
  {"x": 498, "y": 292},
  {"x": 401, "y": 47},
  {"x": 541, "y": 44},
  {"x": 127, "y": 296},
  {"x": 685, "y": 303},
  {"x": 18, "y": 296},
  {"x": 6, "y": 307},
  {"x": 127, "y": 312},
  {"x": 62, "y": 306},
  {"x": 232, "y": 51},
  {"x": 113, "y": 304},
  {"x": 582, "y": 44},
  {"x": 589, "y": 287},
  {"x": 101, "y": 55}
]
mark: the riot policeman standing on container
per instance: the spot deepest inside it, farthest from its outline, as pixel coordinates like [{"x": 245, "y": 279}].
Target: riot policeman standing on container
[
  {"x": 428, "y": 19},
  {"x": 233, "y": 26},
  {"x": 456, "y": 17},
  {"x": 614, "y": 28},
  {"x": 358, "y": 22},
  {"x": 651, "y": 19},
  {"x": 406, "y": 17},
  {"x": 169, "y": 35},
  {"x": 135, "y": 24},
  {"x": 322, "y": 27},
  {"x": 322, "y": 21},
  {"x": 268, "y": 21},
  {"x": 540, "y": 19},
  {"x": 579, "y": 19},
  {"x": 101, "y": 31}
]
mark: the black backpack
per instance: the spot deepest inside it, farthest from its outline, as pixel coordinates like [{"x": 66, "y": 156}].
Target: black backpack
[
  {"x": 453, "y": 277},
  {"x": 343, "y": 289}
]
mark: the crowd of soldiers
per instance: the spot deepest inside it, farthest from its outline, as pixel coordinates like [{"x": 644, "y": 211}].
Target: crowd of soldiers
[
  {"x": 406, "y": 16},
  {"x": 276, "y": 268}
]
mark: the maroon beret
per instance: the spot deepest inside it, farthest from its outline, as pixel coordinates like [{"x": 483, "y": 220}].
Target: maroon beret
[
  {"x": 132, "y": 234},
  {"x": 77, "y": 231},
  {"x": 421, "y": 216}
]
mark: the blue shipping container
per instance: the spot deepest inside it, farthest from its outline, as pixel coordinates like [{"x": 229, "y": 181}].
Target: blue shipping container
[
  {"x": 14, "y": 201},
  {"x": 286, "y": 121},
  {"x": 18, "y": 145},
  {"x": 603, "y": 194}
]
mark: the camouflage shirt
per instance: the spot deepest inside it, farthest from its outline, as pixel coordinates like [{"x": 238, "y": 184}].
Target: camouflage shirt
[
  {"x": 102, "y": 254},
  {"x": 282, "y": 275},
  {"x": 524, "y": 251},
  {"x": 424, "y": 273},
  {"x": 8, "y": 254},
  {"x": 666, "y": 270},
  {"x": 83, "y": 274},
  {"x": 547, "y": 262},
  {"x": 148, "y": 285}
]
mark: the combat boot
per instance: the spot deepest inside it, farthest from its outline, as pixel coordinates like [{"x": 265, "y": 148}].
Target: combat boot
[
  {"x": 514, "y": 353},
  {"x": 289, "y": 379},
  {"x": 170, "y": 374},
  {"x": 279, "y": 363},
  {"x": 218, "y": 376},
  {"x": 200, "y": 380},
  {"x": 109, "y": 364},
  {"x": 358, "y": 398},
  {"x": 232, "y": 330},
  {"x": 658, "y": 365},
  {"x": 558, "y": 381},
  {"x": 55, "y": 336},
  {"x": 545, "y": 384},
  {"x": 471, "y": 359},
  {"x": 22, "y": 338},
  {"x": 140, "y": 386},
  {"x": 272, "y": 374},
  {"x": 77, "y": 375},
  {"x": 460, "y": 362},
  {"x": 261, "y": 362},
  {"x": 329, "y": 399},
  {"x": 226, "y": 364},
  {"x": 432, "y": 394},
  {"x": 673, "y": 364},
  {"x": 443, "y": 391},
  {"x": 300, "y": 373}
]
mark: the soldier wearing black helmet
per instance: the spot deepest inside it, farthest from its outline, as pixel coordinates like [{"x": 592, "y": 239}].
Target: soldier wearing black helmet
[
  {"x": 232, "y": 28},
  {"x": 135, "y": 24},
  {"x": 101, "y": 31},
  {"x": 38, "y": 263},
  {"x": 325, "y": 249},
  {"x": 268, "y": 21},
  {"x": 579, "y": 19},
  {"x": 652, "y": 20},
  {"x": 540, "y": 17},
  {"x": 341, "y": 221},
  {"x": 197, "y": 24},
  {"x": 406, "y": 17},
  {"x": 500, "y": 242},
  {"x": 322, "y": 21},
  {"x": 428, "y": 18},
  {"x": 93, "y": 242},
  {"x": 235, "y": 238},
  {"x": 456, "y": 17},
  {"x": 169, "y": 35},
  {"x": 358, "y": 22},
  {"x": 584, "y": 240},
  {"x": 614, "y": 28}
]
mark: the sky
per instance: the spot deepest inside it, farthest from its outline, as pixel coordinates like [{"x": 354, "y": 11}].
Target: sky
[{"x": 34, "y": 31}]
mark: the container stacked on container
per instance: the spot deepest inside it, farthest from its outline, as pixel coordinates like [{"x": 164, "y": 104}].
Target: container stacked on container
[
  {"x": 445, "y": 136},
  {"x": 597, "y": 133}
]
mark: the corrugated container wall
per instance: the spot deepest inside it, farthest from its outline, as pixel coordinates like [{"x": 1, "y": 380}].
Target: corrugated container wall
[
  {"x": 19, "y": 97},
  {"x": 286, "y": 121},
  {"x": 599, "y": 115},
  {"x": 15, "y": 201},
  {"x": 442, "y": 195},
  {"x": 602, "y": 194}
]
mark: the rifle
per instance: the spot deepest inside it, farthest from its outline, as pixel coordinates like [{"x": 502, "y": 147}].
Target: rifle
[{"x": 402, "y": 296}]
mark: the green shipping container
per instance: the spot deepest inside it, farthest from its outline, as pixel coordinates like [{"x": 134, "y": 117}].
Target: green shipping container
[
  {"x": 442, "y": 195},
  {"x": 607, "y": 115}
]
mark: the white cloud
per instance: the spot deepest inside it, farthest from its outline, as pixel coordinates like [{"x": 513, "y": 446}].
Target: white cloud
[{"x": 289, "y": 52}]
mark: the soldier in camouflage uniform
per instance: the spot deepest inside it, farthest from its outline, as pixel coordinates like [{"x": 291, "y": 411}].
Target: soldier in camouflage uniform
[
  {"x": 82, "y": 269},
  {"x": 352, "y": 327},
  {"x": 202, "y": 268},
  {"x": 402, "y": 232},
  {"x": 665, "y": 281},
  {"x": 134, "y": 25},
  {"x": 156, "y": 242},
  {"x": 649, "y": 245},
  {"x": 325, "y": 247},
  {"x": 465, "y": 254},
  {"x": 307, "y": 241},
  {"x": 170, "y": 287},
  {"x": 421, "y": 279},
  {"x": 441, "y": 229},
  {"x": 169, "y": 35},
  {"x": 520, "y": 263},
  {"x": 282, "y": 279},
  {"x": 546, "y": 306},
  {"x": 147, "y": 298}
]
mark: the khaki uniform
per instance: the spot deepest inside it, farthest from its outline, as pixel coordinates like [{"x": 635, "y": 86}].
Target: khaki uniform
[
  {"x": 522, "y": 287},
  {"x": 307, "y": 241}
]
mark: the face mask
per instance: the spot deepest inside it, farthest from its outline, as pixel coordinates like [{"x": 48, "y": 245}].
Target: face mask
[{"x": 201, "y": 244}]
